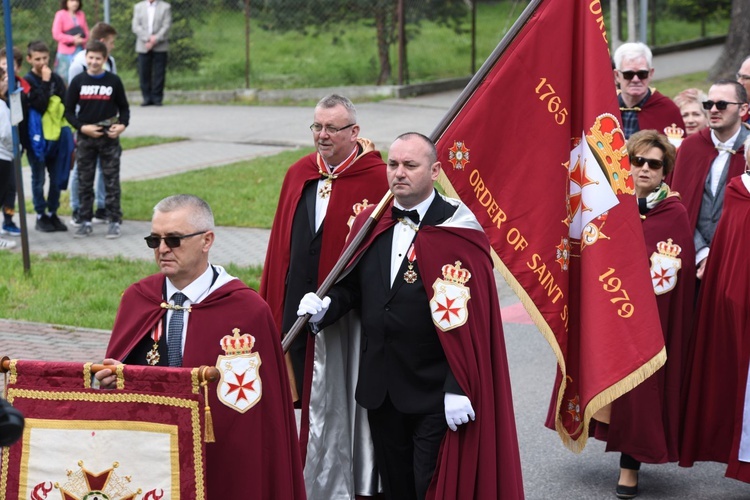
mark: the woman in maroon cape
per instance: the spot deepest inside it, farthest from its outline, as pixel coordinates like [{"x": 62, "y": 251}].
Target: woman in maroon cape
[{"x": 644, "y": 423}]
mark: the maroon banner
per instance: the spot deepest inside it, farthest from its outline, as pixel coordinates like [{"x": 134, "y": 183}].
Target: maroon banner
[
  {"x": 536, "y": 151},
  {"x": 144, "y": 440}
]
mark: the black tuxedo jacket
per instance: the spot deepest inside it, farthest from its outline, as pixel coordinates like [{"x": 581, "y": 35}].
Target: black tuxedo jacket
[{"x": 401, "y": 354}]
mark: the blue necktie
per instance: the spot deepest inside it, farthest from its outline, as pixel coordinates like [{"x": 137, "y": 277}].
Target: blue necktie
[{"x": 174, "y": 332}]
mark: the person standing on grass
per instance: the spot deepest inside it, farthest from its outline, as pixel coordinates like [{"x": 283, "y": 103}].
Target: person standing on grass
[
  {"x": 71, "y": 32},
  {"x": 9, "y": 201},
  {"x": 47, "y": 94},
  {"x": 6, "y": 151},
  {"x": 106, "y": 34},
  {"x": 98, "y": 108},
  {"x": 151, "y": 22}
]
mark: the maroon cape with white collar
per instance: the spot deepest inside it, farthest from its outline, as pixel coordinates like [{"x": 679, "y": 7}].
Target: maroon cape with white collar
[{"x": 256, "y": 454}]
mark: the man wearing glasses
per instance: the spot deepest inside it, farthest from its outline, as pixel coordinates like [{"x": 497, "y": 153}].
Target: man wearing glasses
[
  {"x": 708, "y": 160},
  {"x": 743, "y": 77},
  {"x": 642, "y": 108},
  {"x": 320, "y": 195},
  {"x": 178, "y": 318}
]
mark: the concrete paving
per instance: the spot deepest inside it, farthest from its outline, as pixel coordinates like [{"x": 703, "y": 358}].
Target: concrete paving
[{"x": 223, "y": 134}]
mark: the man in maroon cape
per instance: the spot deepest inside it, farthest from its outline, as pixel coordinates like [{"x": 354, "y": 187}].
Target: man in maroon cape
[
  {"x": 433, "y": 353},
  {"x": 319, "y": 198},
  {"x": 706, "y": 161},
  {"x": 717, "y": 409},
  {"x": 255, "y": 453},
  {"x": 642, "y": 108}
]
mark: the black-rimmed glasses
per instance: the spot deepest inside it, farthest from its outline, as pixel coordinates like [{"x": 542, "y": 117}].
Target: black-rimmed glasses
[
  {"x": 171, "y": 241},
  {"x": 720, "y": 105},
  {"x": 317, "y": 128},
  {"x": 642, "y": 74},
  {"x": 639, "y": 161}
]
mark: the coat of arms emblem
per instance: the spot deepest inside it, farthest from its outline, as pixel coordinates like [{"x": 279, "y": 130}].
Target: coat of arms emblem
[
  {"x": 449, "y": 302},
  {"x": 240, "y": 387},
  {"x": 664, "y": 266}
]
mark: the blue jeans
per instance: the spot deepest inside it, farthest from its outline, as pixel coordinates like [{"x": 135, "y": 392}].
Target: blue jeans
[
  {"x": 38, "y": 169},
  {"x": 75, "y": 202}
]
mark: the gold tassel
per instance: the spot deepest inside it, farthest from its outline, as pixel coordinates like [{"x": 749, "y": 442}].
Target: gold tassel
[{"x": 209, "y": 421}]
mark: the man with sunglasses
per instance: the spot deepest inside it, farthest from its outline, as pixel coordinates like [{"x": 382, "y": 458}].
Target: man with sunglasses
[
  {"x": 249, "y": 457},
  {"x": 708, "y": 160},
  {"x": 642, "y": 108},
  {"x": 320, "y": 195}
]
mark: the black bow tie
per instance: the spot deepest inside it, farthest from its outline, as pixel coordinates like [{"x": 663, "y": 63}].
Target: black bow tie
[{"x": 397, "y": 214}]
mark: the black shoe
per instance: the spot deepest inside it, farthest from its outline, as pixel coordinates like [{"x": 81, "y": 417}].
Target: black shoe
[
  {"x": 57, "y": 223},
  {"x": 144, "y": 104},
  {"x": 44, "y": 224},
  {"x": 626, "y": 492}
]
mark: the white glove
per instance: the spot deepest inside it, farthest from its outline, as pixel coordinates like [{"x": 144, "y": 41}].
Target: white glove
[
  {"x": 314, "y": 306},
  {"x": 458, "y": 410}
]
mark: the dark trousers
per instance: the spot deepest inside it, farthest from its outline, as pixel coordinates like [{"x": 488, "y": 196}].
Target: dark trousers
[
  {"x": 152, "y": 70},
  {"x": 8, "y": 188},
  {"x": 38, "y": 169},
  {"x": 406, "y": 449},
  {"x": 7, "y": 185},
  {"x": 108, "y": 151}
]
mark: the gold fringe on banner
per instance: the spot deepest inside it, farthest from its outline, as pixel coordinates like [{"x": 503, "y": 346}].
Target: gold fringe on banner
[{"x": 209, "y": 421}]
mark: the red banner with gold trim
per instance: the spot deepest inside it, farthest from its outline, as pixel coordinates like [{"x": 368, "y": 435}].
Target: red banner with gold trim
[
  {"x": 534, "y": 148},
  {"x": 143, "y": 440}
]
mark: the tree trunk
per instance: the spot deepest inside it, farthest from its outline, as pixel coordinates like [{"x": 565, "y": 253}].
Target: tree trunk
[
  {"x": 383, "y": 31},
  {"x": 737, "y": 46}
]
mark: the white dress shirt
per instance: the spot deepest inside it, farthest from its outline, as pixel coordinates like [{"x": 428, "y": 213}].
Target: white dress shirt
[
  {"x": 403, "y": 235},
  {"x": 195, "y": 292}
]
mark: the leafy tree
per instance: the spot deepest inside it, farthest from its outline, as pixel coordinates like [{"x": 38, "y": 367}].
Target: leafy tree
[
  {"x": 698, "y": 10},
  {"x": 737, "y": 46},
  {"x": 317, "y": 16}
]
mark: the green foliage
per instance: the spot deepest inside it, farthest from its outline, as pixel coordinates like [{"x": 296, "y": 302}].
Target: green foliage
[
  {"x": 254, "y": 186},
  {"x": 698, "y": 10}
]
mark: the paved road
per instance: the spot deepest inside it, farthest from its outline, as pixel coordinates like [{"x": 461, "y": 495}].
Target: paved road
[{"x": 223, "y": 134}]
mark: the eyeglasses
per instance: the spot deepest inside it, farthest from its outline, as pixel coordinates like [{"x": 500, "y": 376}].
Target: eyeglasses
[
  {"x": 639, "y": 161},
  {"x": 641, "y": 74},
  {"x": 171, "y": 241},
  {"x": 742, "y": 77},
  {"x": 720, "y": 105},
  {"x": 317, "y": 128}
]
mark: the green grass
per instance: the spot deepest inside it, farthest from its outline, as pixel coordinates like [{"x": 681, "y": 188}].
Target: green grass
[
  {"x": 670, "y": 87},
  {"x": 86, "y": 291},
  {"x": 242, "y": 194}
]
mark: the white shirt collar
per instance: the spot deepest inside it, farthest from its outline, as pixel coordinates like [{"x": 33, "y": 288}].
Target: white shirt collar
[
  {"x": 195, "y": 291},
  {"x": 421, "y": 208},
  {"x": 730, "y": 142}
]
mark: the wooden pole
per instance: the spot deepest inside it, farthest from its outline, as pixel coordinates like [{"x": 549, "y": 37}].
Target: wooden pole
[
  {"x": 205, "y": 373},
  {"x": 333, "y": 276}
]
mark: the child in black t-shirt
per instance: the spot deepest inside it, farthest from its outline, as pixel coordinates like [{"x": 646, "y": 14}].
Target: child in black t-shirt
[{"x": 103, "y": 114}]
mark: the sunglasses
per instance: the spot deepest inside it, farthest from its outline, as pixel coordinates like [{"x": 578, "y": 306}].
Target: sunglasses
[
  {"x": 720, "y": 105},
  {"x": 642, "y": 74},
  {"x": 171, "y": 241},
  {"x": 639, "y": 161}
]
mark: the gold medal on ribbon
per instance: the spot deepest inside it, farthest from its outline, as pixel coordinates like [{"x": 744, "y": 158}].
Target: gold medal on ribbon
[{"x": 410, "y": 276}]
